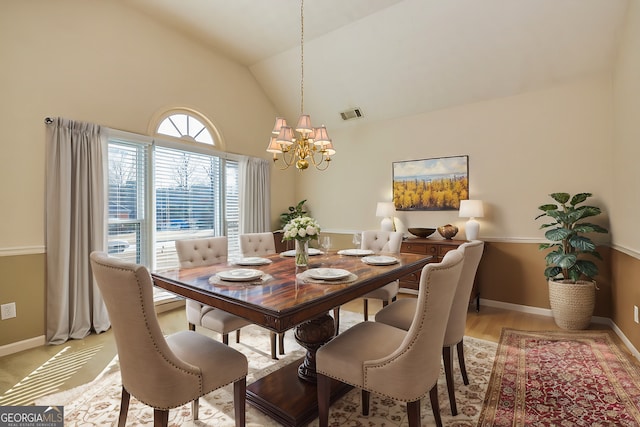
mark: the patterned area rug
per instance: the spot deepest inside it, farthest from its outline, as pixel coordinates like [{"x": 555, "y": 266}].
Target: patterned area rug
[
  {"x": 561, "y": 378},
  {"x": 98, "y": 402}
]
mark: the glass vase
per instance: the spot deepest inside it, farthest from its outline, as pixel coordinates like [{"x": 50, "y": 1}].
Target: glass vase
[{"x": 302, "y": 253}]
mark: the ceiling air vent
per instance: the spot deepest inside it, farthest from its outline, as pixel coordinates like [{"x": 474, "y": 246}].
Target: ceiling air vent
[{"x": 354, "y": 113}]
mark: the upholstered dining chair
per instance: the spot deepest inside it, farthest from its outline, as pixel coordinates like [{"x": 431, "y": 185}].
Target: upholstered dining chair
[
  {"x": 208, "y": 251},
  {"x": 387, "y": 242},
  {"x": 400, "y": 365},
  {"x": 255, "y": 245},
  {"x": 400, "y": 314},
  {"x": 164, "y": 373}
]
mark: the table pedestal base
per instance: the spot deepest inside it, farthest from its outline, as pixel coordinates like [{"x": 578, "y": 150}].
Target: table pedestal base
[{"x": 288, "y": 399}]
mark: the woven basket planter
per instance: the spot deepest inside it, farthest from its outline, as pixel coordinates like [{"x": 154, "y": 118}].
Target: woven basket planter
[{"x": 572, "y": 304}]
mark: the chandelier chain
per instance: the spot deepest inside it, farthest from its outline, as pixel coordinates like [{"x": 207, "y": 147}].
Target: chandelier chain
[{"x": 302, "y": 57}]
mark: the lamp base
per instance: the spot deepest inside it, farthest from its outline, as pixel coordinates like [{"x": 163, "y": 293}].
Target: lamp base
[
  {"x": 471, "y": 229},
  {"x": 386, "y": 224}
]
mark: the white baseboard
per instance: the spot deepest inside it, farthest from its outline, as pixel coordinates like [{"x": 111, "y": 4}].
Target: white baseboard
[
  {"x": 16, "y": 347},
  {"x": 547, "y": 312}
]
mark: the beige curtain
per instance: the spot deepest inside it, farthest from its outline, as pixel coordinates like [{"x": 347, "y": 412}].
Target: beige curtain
[
  {"x": 255, "y": 199},
  {"x": 75, "y": 226}
]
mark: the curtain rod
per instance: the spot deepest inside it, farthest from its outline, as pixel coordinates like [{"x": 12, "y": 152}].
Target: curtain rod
[{"x": 48, "y": 120}]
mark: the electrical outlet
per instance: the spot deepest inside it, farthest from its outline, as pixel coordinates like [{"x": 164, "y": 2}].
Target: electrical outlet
[
  {"x": 635, "y": 314},
  {"x": 8, "y": 310}
]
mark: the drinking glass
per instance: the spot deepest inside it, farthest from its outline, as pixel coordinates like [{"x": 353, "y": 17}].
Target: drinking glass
[
  {"x": 325, "y": 244},
  {"x": 356, "y": 240}
]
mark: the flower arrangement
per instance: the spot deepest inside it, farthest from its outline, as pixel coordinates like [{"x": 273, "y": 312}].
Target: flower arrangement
[{"x": 302, "y": 228}]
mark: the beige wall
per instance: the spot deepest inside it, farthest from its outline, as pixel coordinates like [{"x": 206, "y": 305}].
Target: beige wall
[
  {"x": 520, "y": 149},
  {"x": 104, "y": 63}
]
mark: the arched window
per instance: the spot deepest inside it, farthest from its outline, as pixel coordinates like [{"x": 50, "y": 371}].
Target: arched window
[{"x": 187, "y": 125}]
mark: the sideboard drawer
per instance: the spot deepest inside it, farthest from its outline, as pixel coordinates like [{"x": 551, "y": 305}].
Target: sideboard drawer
[
  {"x": 435, "y": 248},
  {"x": 418, "y": 248}
]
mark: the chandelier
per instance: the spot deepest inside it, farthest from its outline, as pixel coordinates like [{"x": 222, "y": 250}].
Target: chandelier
[{"x": 308, "y": 145}]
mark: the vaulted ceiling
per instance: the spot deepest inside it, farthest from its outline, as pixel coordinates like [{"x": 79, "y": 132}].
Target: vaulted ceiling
[{"x": 394, "y": 58}]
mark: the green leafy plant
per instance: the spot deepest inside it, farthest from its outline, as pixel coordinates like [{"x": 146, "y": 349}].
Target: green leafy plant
[
  {"x": 293, "y": 212},
  {"x": 570, "y": 247}
]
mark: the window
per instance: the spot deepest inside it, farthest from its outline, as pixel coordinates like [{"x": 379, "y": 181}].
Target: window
[{"x": 162, "y": 191}]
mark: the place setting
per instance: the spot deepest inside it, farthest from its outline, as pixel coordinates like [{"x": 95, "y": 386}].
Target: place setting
[
  {"x": 248, "y": 261},
  {"x": 292, "y": 252},
  {"x": 380, "y": 260},
  {"x": 239, "y": 276},
  {"x": 325, "y": 275}
]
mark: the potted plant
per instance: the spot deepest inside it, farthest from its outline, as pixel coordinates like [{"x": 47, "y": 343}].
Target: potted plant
[
  {"x": 293, "y": 212},
  {"x": 569, "y": 271}
]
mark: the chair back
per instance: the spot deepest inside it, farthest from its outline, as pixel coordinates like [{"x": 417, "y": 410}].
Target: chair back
[
  {"x": 381, "y": 241},
  {"x": 411, "y": 370},
  {"x": 458, "y": 315},
  {"x": 257, "y": 244},
  {"x": 197, "y": 252},
  {"x": 147, "y": 364}
]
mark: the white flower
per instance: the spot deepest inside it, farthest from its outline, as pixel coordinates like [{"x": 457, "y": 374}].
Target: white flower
[{"x": 301, "y": 228}]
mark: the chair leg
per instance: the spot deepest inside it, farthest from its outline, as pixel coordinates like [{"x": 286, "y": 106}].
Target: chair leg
[
  {"x": 240, "y": 401},
  {"x": 366, "y": 310},
  {"x": 225, "y": 339},
  {"x": 385, "y": 303},
  {"x": 447, "y": 358},
  {"x": 366, "y": 398},
  {"x": 413, "y": 413},
  {"x": 463, "y": 368},
  {"x": 124, "y": 408},
  {"x": 272, "y": 336},
  {"x": 336, "y": 320},
  {"x": 195, "y": 408},
  {"x": 192, "y": 327},
  {"x": 435, "y": 406},
  {"x": 238, "y": 336},
  {"x": 160, "y": 418},
  {"x": 281, "y": 343},
  {"x": 324, "y": 392}
]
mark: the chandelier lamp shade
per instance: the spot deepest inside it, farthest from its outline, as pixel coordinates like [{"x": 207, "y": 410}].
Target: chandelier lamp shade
[
  {"x": 303, "y": 145},
  {"x": 385, "y": 210},
  {"x": 471, "y": 209}
]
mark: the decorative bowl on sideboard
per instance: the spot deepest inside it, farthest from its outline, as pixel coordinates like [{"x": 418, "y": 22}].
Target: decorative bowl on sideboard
[{"x": 422, "y": 232}]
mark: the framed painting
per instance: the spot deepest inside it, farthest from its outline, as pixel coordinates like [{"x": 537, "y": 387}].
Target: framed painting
[{"x": 436, "y": 184}]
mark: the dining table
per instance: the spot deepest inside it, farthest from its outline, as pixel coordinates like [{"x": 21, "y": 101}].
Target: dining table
[{"x": 272, "y": 292}]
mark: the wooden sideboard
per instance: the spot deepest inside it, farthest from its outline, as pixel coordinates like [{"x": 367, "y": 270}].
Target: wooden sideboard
[{"x": 437, "y": 249}]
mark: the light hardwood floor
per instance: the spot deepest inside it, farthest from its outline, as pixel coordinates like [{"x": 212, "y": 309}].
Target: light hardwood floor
[{"x": 83, "y": 360}]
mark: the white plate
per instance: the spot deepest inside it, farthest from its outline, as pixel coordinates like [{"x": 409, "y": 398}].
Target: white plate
[
  {"x": 355, "y": 252},
  {"x": 253, "y": 261},
  {"x": 327, "y": 273},
  {"x": 379, "y": 260},
  {"x": 240, "y": 275},
  {"x": 292, "y": 252}
]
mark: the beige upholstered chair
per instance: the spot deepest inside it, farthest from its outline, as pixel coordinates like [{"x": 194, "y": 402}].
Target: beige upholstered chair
[
  {"x": 208, "y": 251},
  {"x": 401, "y": 365},
  {"x": 163, "y": 373},
  {"x": 259, "y": 244},
  {"x": 385, "y": 242},
  {"x": 400, "y": 314}
]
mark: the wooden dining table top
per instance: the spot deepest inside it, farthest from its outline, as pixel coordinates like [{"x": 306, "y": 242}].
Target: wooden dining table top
[{"x": 282, "y": 299}]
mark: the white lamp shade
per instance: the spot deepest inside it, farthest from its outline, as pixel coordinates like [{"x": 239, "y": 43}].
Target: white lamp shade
[
  {"x": 273, "y": 146},
  {"x": 280, "y": 122},
  {"x": 471, "y": 209},
  {"x": 385, "y": 209},
  {"x": 285, "y": 136},
  {"x": 321, "y": 136},
  {"x": 304, "y": 124}
]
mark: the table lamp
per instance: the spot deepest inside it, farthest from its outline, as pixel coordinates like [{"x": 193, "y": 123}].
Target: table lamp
[
  {"x": 386, "y": 211},
  {"x": 471, "y": 209}
]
